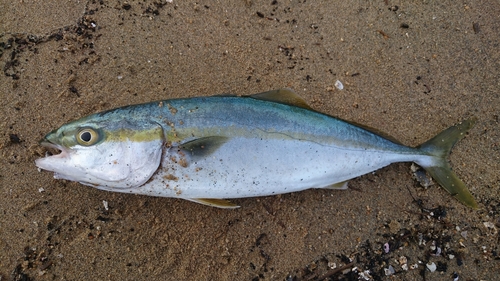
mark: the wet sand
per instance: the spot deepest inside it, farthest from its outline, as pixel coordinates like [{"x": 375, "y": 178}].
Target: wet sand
[{"x": 410, "y": 70}]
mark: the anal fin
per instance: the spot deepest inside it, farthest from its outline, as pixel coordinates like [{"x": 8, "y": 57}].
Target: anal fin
[
  {"x": 340, "y": 185},
  {"x": 218, "y": 203}
]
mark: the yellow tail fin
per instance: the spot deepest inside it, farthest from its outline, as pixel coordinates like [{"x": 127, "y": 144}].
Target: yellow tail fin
[{"x": 440, "y": 147}]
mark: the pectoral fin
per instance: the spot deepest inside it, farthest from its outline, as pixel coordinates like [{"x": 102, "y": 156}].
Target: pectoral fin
[
  {"x": 219, "y": 203},
  {"x": 203, "y": 147}
]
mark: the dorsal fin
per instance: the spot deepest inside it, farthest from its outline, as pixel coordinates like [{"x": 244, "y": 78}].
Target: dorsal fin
[{"x": 284, "y": 96}]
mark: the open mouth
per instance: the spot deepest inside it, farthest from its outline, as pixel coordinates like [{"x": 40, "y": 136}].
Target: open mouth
[
  {"x": 55, "y": 159},
  {"x": 55, "y": 150}
]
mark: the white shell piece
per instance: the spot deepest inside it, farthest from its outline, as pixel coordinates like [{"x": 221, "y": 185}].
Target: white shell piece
[{"x": 339, "y": 85}]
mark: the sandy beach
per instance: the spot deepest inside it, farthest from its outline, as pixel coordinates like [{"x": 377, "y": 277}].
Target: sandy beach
[{"x": 408, "y": 69}]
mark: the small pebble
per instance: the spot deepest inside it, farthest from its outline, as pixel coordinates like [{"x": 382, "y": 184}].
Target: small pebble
[
  {"x": 365, "y": 275},
  {"x": 14, "y": 138},
  {"x": 421, "y": 176},
  {"x": 438, "y": 251},
  {"x": 332, "y": 265},
  {"x": 431, "y": 266},
  {"x": 402, "y": 260},
  {"x": 489, "y": 224},
  {"x": 420, "y": 239},
  {"x": 476, "y": 27},
  {"x": 389, "y": 271},
  {"x": 491, "y": 227},
  {"x": 386, "y": 248}
]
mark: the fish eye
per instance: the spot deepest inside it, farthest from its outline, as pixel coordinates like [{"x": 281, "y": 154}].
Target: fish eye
[{"x": 87, "y": 137}]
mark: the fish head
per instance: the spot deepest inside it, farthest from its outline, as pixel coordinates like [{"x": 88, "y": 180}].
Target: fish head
[{"x": 109, "y": 153}]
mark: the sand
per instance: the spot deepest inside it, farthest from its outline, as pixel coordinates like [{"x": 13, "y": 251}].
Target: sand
[{"x": 408, "y": 69}]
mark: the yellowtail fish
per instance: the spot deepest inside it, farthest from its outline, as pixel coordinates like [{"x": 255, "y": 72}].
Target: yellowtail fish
[{"x": 209, "y": 149}]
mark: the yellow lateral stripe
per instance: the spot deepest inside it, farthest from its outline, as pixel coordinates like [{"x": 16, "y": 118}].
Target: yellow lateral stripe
[{"x": 134, "y": 135}]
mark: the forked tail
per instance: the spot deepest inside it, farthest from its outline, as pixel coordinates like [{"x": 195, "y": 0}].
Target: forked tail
[{"x": 440, "y": 170}]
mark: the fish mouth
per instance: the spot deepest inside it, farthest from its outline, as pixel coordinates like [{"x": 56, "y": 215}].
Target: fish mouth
[
  {"x": 56, "y": 159},
  {"x": 54, "y": 150}
]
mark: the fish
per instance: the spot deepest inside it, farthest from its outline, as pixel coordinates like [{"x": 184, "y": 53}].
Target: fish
[{"x": 211, "y": 149}]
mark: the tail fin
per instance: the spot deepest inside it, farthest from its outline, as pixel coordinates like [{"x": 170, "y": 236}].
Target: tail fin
[{"x": 440, "y": 147}]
